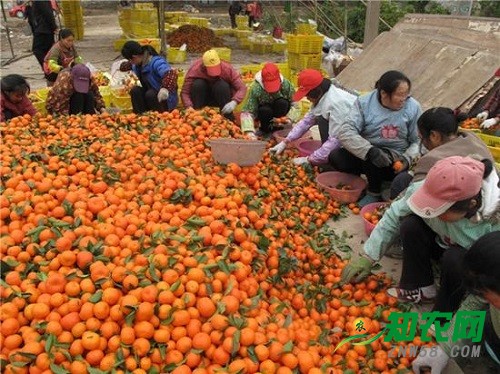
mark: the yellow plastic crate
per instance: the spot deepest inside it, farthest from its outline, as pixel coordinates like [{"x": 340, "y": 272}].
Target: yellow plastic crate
[
  {"x": 279, "y": 47},
  {"x": 242, "y": 22},
  {"x": 245, "y": 43},
  {"x": 284, "y": 69},
  {"x": 261, "y": 48},
  {"x": 174, "y": 17},
  {"x": 242, "y": 33},
  {"x": 490, "y": 140},
  {"x": 120, "y": 101},
  {"x": 144, "y": 15},
  {"x": 224, "y": 53},
  {"x": 306, "y": 29},
  {"x": 495, "y": 151},
  {"x": 144, "y": 30},
  {"x": 304, "y": 43},
  {"x": 198, "y": 21},
  {"x": 174, "y": 55},
  {"x": 224, "y": 31},
  {"x": 105, "y": 92},
  {"x": 143, "y": 5},
  {"x": 254, "y": 68},
  {"x": 304, "y": 61}
]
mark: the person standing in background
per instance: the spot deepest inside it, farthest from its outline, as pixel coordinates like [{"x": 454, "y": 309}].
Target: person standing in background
[
  {"x": 235, "y": 8},
  {"x": 43, "y": 25}
]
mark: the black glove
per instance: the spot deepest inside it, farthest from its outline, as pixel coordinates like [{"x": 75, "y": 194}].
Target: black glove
[{"x": 379, "y": 157}]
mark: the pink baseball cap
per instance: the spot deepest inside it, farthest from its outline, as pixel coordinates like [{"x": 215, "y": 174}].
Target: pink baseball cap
[
  {"x": 450, "y": 180},
  {"x": 81, "y": 78}
]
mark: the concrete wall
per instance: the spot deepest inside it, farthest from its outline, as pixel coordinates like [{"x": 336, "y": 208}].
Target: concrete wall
[{"x": 447, "y": 58}]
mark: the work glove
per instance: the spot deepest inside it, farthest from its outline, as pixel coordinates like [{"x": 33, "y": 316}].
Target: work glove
[
  {"x": 300, "y": 160},
  {"x": 483, "y": 115},
  {"x": 251, "y": 135},
  {"x": 229, "y": 107},
  {"x": 247, "y": 122},
  {"x": 379, "y": 157},
  {"x": 278, "y": 148},
  {"x": 357, "y": 270},
  {"x": 489, "y": 123},
  {"x": 294, "y": 113},
  {"x": 433, "y": 357},
  {"x": 162, "y": 94}
]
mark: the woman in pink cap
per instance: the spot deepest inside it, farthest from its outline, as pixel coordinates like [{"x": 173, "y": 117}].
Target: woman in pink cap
[
  {"x": 75, "y": 92},
  {"x": 330, "y": 106},
  {"x": 270, "y": 97},
  {"x": 437, "y": 219}
]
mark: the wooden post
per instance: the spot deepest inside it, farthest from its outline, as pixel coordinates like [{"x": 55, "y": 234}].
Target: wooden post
[
  {"x": 371, "y": 21},
  {"x": 161, "y": 28}
]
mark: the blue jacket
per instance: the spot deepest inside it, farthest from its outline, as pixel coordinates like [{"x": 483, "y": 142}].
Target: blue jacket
[{"x": 153, "y": 73}]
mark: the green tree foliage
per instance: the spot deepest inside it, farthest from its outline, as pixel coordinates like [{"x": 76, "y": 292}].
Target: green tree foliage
[
  {"x": 390, "y": 11},
  {"x": 487, "y": 9}
]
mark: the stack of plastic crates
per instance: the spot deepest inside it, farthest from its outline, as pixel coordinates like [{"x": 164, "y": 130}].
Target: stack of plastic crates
[
  {"x": 176, "y": 56},
  {"x": 73, "y": 17},
  {"x": 304, "y": 51},
  {"x": 493, "y": 144},
  {"x": 224, "y": 53},
  {"x": 306, "y": 29},
  {"x": 198, "y": 21},
  {"x": 175, "y": 17},
  {"x": 261, "y": 45},
  {"x": 143, "y": 23}
]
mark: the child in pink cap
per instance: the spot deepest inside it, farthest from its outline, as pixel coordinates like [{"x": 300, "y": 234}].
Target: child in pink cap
[{"x": 437, "y": 219}]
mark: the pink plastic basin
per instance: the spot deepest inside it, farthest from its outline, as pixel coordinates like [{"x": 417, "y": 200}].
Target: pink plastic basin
[
  {"x": 306, "y": 147},
  {"x": 280, "y": 135},
  {"x": 331, "y": 179},
  {"x": 368, "y": 208}
]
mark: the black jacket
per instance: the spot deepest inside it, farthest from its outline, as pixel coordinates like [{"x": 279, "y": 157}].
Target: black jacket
[
  {"x": 235, "y": 8},
  {"x": 41, "y": 17}
]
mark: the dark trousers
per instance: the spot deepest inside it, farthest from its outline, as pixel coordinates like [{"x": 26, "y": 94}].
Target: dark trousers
[
  {"x": 144, "y": 100},
  {"x": 400, "y": 183},
  {"x": 323, "y": 127},
  {"x": 204, "y": 93},
  {"x": 233, "y": 20},
  {"x": 343, "y": 160},
  {"x": 82, "y": 103},
  {"x": 265, "y": 113},
  {"x": 490, "y": 336},
  {"x": 419, "y": 249},
  {"x": 51, "y": 78},
  {"x": 8, "y": 114},
  {"x": 41, "y": 46}
]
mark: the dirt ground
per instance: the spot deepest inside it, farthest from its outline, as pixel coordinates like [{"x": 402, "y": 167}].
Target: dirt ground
[{"x": 102, "y": 29}]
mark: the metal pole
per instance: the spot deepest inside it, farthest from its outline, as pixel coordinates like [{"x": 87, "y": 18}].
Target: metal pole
[
  {"x": 345, "y": 27},
  {"x": 161, "y": 28},
  {"x": 7, "y": 29}
]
